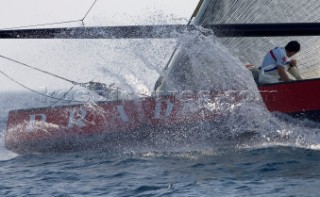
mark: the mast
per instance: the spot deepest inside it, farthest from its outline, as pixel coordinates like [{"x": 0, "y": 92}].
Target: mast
[{"x": 178, "y": 71}]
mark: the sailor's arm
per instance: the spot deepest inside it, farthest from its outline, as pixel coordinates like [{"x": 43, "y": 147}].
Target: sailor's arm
[
  {"x": 293, "y": 63},
  {"x": 283, "y": 74},
  {"x": 293, "y": 70}
]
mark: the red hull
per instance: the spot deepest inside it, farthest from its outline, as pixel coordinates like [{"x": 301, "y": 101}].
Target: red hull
[
  {"x": 298, "y": 98},
  {"x": 54, "y": 129},
  {"x": 85, "y": 126}
]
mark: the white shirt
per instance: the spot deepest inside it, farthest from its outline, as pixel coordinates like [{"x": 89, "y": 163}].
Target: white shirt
[
  {"x": 269, "y": 63},
  {"x": 268, "y": 70}
]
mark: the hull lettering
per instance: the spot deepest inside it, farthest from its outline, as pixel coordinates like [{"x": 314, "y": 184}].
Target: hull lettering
[
  {"x": 36, "y": 118},
  {"x": 77, "y": 118}
]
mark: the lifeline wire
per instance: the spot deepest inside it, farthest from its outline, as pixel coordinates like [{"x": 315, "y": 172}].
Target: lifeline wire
[
  {"x": 84, "y": 85},
  {"x": 37, "y": 92},
  {"x": 54, "y": 75},
  {"x": 43, "y": 71}
]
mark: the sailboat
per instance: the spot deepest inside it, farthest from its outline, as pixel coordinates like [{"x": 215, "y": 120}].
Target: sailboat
[{"x": 82, "y": 126}]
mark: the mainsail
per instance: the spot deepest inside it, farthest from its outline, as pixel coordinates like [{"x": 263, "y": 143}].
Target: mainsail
[{"x": 251, "y": 49}]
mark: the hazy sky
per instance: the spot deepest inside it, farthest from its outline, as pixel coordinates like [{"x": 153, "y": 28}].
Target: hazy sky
[
  {"x": 73, "y": 58},
  {"x": 108, "y": 12}
]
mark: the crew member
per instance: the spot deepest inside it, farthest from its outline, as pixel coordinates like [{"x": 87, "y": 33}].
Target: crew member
[{"x": 278, "y": 63}]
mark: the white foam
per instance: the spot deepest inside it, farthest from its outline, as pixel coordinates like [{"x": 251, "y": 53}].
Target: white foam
[{"x": 4, "y": 153}]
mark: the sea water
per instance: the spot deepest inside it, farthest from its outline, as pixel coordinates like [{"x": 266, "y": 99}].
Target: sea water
[{"x": 281, "y": 158}]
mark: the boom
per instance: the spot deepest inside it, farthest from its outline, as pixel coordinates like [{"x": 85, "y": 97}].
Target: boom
[{"x": 165, "y": 31}]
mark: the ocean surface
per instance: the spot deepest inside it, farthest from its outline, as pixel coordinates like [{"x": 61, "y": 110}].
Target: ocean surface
[
  {"x": 267, "y": 171},
  {"x": 282, "y": 159}
]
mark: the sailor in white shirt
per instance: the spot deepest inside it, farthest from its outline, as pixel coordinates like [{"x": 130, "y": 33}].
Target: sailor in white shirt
[{"x": 277, "y": 63}]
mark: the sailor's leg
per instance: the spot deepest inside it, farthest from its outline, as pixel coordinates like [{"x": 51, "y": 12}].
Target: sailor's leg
[{"x": 266, "y": 78}]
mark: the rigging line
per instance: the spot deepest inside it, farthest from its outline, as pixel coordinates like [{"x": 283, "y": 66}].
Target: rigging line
[
  {"x": 43, "y": 71},
  {"x": 63, "y": 97},
  {"x": 43, "y": 24},
  {"x": 165, "y": 69},
  {"x": 88, "y": 12},
  {"x": 84, "y": 85},
  {"x": 34, "y": 91},
  {"x": 55, "y": 23},
  {"x": 189, "y": 23}
]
